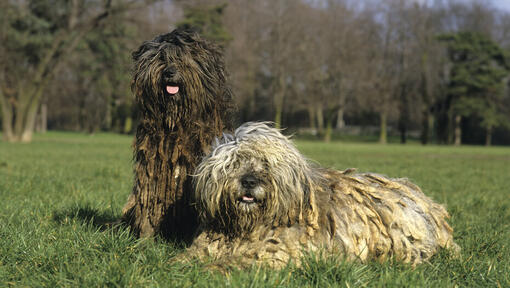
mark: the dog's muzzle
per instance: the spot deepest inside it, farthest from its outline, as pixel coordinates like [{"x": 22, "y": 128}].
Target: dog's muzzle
[{"x": 250, "y": 189}]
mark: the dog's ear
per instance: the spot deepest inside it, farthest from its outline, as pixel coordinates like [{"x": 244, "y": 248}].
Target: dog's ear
[
  {"x": 294, "y": 192},
  {"x": 310, "y": 211}
]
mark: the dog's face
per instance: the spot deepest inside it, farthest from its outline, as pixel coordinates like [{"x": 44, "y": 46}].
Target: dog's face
[
  {"x": 239, "y": 198},
  {"x": 253, "y": 178},
  {"x": 178, "y": 75},
  {"x": 249, "y": 191}
]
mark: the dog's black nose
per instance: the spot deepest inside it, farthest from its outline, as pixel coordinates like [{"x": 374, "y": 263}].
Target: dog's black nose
[
  {"x": 170, "y": 71},
  {"x": 249, "y": 182}
]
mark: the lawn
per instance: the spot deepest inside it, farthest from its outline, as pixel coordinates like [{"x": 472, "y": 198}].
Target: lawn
[{"x": 59, "y": 191}]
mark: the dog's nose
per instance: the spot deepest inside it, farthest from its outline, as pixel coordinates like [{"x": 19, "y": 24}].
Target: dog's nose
[
  {"x": 249, "y": 182},
  {"x": 170, "y": 71}
]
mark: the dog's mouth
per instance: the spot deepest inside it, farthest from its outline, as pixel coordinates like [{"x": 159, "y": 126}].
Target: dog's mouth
[
  {"x": 247, "y": 199},
  {"x": 172, "y": 88}
]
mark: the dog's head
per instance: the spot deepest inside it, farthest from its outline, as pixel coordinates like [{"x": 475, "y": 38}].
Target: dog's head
[
  {"x": 179, "y": 74},
  {"x": 254, "y": 177}
]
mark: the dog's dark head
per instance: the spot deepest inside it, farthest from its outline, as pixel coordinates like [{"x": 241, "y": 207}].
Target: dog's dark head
[
  {"x": 179, "y": 76},
  {"x": 254, "y": 178}
]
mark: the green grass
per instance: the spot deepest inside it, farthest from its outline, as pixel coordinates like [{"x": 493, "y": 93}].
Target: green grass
[{"x": 59, "y": 191}]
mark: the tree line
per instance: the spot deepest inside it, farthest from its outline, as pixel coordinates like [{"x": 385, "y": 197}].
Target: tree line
[{"x": 437, "y": 68}]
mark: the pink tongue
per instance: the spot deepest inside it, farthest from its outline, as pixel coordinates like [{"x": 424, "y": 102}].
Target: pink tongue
[
  {"x": 246, "y": 198},
  {"x": 172, "y": 89}
]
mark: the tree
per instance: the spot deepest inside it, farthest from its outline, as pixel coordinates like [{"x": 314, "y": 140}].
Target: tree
[
  {"x": 92, "y": 90},
  {"x": 386, "y": 63},
  {"x": 344, "y": 61},
  {"x": 206, "y": 20},
  {"x": 479, "y": 67},
  {"x": 36, "y": 38},
  {"x": 425, "y": 80},
  {"x": 243, "y": 22},
  {"x": 281, "y": 41}
]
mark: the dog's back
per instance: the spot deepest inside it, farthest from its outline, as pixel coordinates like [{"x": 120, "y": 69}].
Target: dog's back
[{"x": 377, "y": 217}]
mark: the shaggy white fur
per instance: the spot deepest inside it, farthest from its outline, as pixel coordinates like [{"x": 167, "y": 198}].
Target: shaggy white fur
[{"x": 261, "y": 201}]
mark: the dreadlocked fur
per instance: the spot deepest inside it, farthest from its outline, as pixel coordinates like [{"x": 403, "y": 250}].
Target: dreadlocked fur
[
  {"x": 181, "y": 91},
  {"x": 261, "y": 201}
]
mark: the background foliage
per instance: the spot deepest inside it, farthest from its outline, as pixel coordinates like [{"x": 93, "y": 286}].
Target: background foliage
[{"x": 436, "y": 71}]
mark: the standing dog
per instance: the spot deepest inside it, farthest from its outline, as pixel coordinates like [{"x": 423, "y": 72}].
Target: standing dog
[
  {"x": 260, "y": 200},
  {"x": 180, "y": 88}
]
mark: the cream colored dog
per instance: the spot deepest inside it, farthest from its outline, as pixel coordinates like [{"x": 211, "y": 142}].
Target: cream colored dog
[{"x": 261, "y": 201}]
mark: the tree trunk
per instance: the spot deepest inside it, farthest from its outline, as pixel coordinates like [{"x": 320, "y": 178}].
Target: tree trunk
[
  {"x": 7, "y": 133},
  {"x": 320, "y": 119},
  {"x": 28, "y": 119},
  {"x": 128, "y": 125},
  {"x": 443, "y": 126},
  {"x": 311, "y": 117},
  {"x": 329, "y": 125},
  {"x": 402, "y": 126},
  {"x": 278, "y": 101},
  {"x": 403, "y": 134},
  {"x": 28, "y": 128},
  {"x": 458, "y": 131},
  {"x": 26, "y": 136},
  {"x": 425, "y": 128},
  {"x": 108, "y": 119},
  {"x": 427, "y": 125},
  {"x": 340, "y": 123},
  {"x": 41, "y": 119},
  {"x": 403, "y": 119},
  {"x": 278, "y": 116},
  {"x": 488, "y": 136},
  {"x": 383, "y": 136},
  {"x": 19, "y": 117},
  {"x": 44, "y": 118},
  {"x": 431, "y": 119},
  {"x": 328, "y": 132},
  {"x": 21, "y": 127}
]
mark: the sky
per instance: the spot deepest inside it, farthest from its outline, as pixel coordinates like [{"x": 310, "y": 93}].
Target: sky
[
  {"x": 502, "y": 4},
  {"x": 499, "y": 4}
]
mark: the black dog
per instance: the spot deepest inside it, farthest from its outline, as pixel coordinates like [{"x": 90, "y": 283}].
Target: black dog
[{"x": 180, "y": 87}]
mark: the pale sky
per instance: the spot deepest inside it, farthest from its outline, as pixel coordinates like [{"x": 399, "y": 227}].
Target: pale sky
[
  {"x": 502, "y": 4},
  {"x": 499, "y": 4}
]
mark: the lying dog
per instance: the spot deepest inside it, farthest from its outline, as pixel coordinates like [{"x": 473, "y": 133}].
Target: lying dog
[{"x": 261, "y": 201}]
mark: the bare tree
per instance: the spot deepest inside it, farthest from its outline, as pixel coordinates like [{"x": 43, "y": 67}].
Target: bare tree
[
  {"x": 246, "y": 26},
  {"x": 385, "y": 65},
  {"x": 345, "y": 59},
  {"x": 281, "y": 40}
]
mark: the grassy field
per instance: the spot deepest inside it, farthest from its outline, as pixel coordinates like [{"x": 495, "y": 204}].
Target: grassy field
[{"x": 59, "y": 191}]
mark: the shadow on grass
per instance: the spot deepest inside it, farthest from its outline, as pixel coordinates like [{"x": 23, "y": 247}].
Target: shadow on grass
[
  {"x": 87, "y": 215},
  {"x": 104, "y": 220}
]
